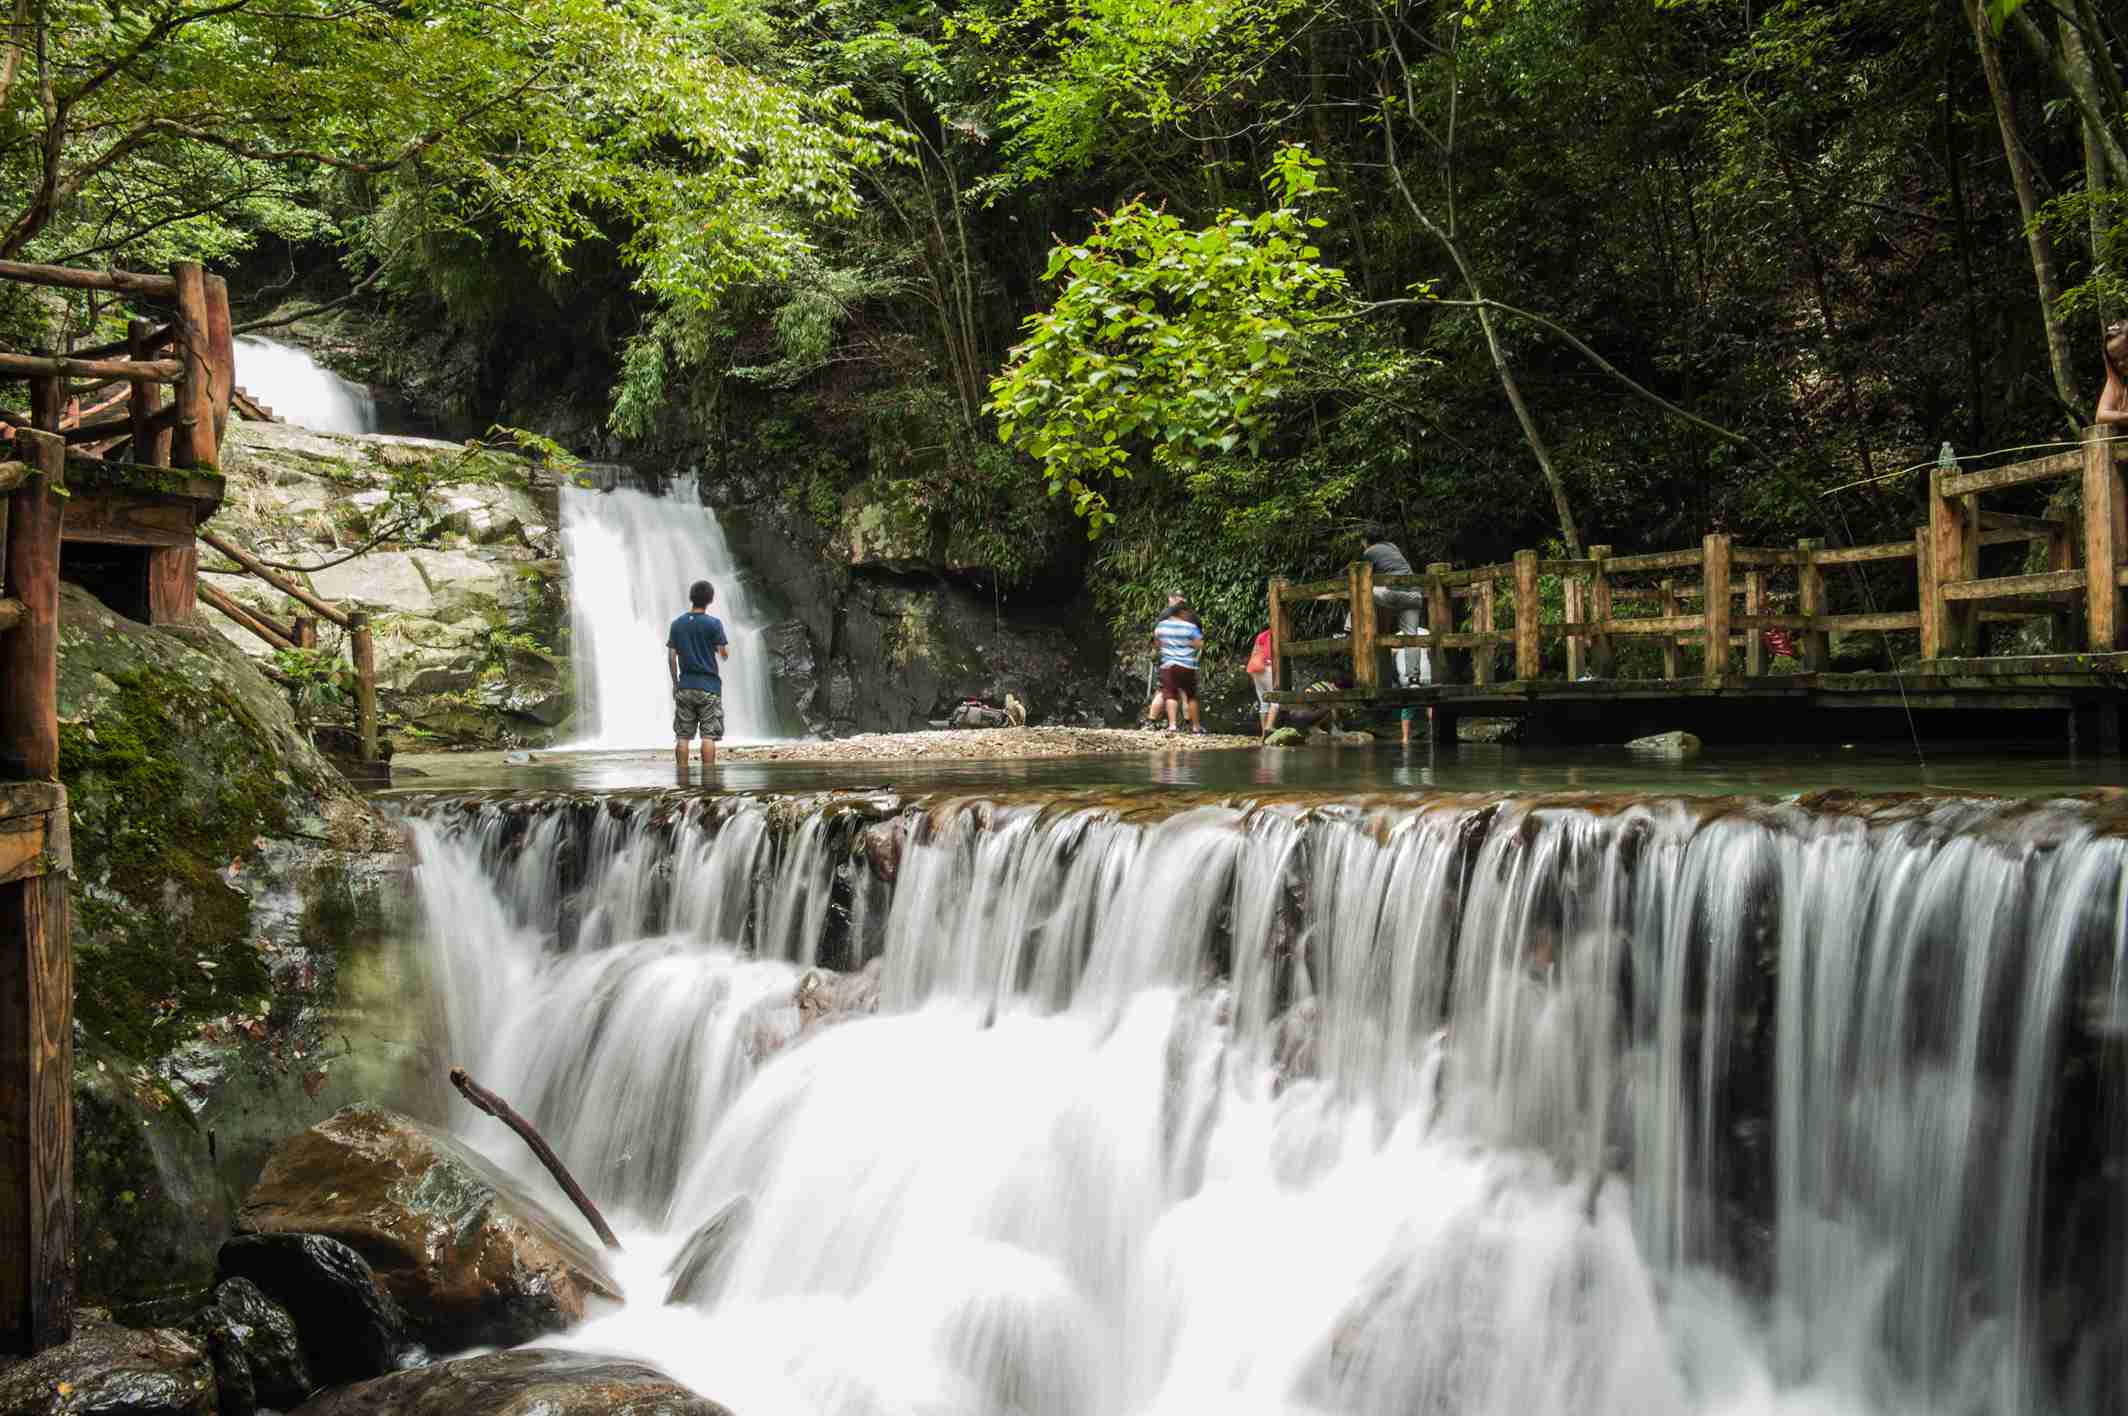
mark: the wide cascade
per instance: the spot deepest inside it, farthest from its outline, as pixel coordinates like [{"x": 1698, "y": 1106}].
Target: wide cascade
[
  {"x": 632, "y": 554},
  {"x": 1078, "y": 1106}
]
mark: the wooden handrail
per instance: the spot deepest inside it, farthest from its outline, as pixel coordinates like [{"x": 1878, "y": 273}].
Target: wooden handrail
[
  {"x": 125, "y": 282},
  {"x": 246, "y": 618},
  {"x": 45, "y": 366},
  {"x": 280, "y": 582}
]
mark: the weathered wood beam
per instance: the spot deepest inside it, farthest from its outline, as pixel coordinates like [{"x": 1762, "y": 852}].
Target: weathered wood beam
[
  {"x": 125, "y": 282},
  {"x": 278, "y": 581},
  {"x": 58, "y": 366},
  {"x": 2039, "y": 469},
  {"x": 2003, "y": 586},
  {"x": 1857, "y": 555},
  {"x": 246, "y": 618}
]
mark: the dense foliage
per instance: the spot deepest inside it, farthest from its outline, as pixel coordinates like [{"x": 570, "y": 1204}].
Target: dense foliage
[{"x": 1587, "y": 270}]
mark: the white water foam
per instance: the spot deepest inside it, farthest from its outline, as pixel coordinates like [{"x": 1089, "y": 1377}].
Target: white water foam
[
  {"x": 631, "y": 557},
  {"x": 300, "y": 389},
  {"x": 1354, "y": 1109}
]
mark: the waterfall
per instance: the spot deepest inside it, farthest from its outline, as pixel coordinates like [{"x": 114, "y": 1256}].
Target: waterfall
[
  {"x": 632, "y": 556},
  {"x": 297, "y": 387},
  {"x": 1458, "y": 1104}
]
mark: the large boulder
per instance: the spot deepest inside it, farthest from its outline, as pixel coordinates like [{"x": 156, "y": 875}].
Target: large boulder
[
  {"x": 526, "y": 1382},
  {"x": 112, "y": 1371},
  {"x": 350, "y": 1328},
  {"x": 469, "y": 1256}
]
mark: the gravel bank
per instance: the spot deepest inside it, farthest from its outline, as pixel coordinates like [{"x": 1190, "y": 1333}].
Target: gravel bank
[{"x": 973, "y": 744}]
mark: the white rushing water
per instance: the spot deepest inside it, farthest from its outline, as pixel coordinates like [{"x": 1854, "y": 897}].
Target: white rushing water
[
  {"x": 300, "y": 389},
  {"x": 631, "y": 557},
  {"x": 1466, "y": 1107}
]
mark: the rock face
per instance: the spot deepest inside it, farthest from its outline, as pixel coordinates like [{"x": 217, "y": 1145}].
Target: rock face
[
  {"x": 350, "y": 1329},
  {"x": 528, "y": 1382},
  {"x": 467, "y": 602},
  {"x": 229, "y": 904},
  {"x": 112, "y": 1371},
  {"x": 450, "y": 1238}
]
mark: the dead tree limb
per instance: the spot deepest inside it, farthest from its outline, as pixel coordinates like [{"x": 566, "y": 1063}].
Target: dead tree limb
[{"x": 485, "y": 1100}]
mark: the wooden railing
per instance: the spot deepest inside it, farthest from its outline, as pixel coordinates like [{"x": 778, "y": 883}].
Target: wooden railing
[
  {"x": 1476, "y": 614},
  {"x": 302, "y": 631},
  {"x": 131, "y": 372}
]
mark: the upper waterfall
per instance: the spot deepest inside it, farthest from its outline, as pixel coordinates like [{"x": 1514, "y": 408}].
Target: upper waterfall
[
  {"x": 298, "y": 388},
  {"x": 632, "y": 554},
  {"x": 1298, "y": 1104}
]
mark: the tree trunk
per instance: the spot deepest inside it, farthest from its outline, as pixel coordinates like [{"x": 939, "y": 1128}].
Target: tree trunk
[{"x": 2044, "y": 274}]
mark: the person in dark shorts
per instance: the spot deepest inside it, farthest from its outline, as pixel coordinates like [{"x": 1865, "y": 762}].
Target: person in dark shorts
[
  {"x": 693, "y": 647},
  {"x": 1179, "y": 641}
]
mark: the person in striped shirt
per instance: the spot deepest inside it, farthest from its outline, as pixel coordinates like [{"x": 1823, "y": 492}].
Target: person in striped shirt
[{"x": 1179, "y": 642}]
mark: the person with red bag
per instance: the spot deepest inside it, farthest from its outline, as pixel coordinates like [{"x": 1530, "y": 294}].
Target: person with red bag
[{"x": 1260, "y": 675}]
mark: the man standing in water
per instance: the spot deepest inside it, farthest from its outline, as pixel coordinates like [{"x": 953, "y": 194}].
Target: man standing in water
[{"x": 692, "y": 648}]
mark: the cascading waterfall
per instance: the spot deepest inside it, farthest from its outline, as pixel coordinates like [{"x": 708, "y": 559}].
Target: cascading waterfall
[
  {"x": 297, "y": 387},
  {"x": 1456, "y": 1104},
  {"x": 632, "y": 554}
]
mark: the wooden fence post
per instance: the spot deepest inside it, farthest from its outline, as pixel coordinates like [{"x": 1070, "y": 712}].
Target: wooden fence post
[
  {"x": 221, "y": 352},
  {"x": 1484, "y": 659},
  {"x": 29, "y": 664},
  {"x": 2061, "y": 625},
  {"x": 1954, "y": 537},
  {"x": 2104, "y": 510},
  {"x": 195, "y": 444},
  {"x": 1754, "y": 638},
  {"x": 1576, "y": 610},
  {"x": 1440, "y": 623},
  {"x": 1603, "y": 661},
  {"x": 36, "y": 961},
  {"x": 1366, "y": 670},
  {"x": 364, "y": 651},
  {"x": 151, "y": 445},
  {"x": 1815, "y": 643},
  {"x": 1925, "y": 593},
  {"x": 1529, "y": 650},
  {"x": 1280, "y": 633},
  {"x": 1670, "y": 668},
  {"x": 1714, "y": 588},
  {"x": 47, "y": 399}
]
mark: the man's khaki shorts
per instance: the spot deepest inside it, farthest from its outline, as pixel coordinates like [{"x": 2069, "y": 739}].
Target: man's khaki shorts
[{"x": 696, "y": 712}]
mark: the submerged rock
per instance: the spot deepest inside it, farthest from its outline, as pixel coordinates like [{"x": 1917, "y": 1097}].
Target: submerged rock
[
  {"x": 349, "y": 1328},
  {"x": 525, "y": 1382},
  {"x": 1286, "y": 737},
  {"x": 471, "y": 1257},
  {"x": 1678, "y": 744},
  {"x": 253, "y": 1341},
  {"x": 112, "y": 1371},
  {"x": 698, "y": 1272}
]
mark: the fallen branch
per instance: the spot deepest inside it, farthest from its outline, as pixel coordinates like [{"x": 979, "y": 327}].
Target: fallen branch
[{"x": 485, "y": 1100}]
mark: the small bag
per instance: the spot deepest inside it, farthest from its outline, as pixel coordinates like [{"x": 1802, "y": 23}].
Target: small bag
[{"x": 1260, "y": 656}]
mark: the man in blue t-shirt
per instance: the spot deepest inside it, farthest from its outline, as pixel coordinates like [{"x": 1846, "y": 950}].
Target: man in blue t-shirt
[
  {"x": 692, "y": 648},
  {"x": 1178, "y": 639}
]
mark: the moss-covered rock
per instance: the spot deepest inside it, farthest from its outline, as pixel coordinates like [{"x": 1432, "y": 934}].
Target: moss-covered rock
[{"x": 228, "y": 919}]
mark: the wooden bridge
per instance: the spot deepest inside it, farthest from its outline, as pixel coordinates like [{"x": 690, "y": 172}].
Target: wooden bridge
[{"x": 1550, "y": 640}]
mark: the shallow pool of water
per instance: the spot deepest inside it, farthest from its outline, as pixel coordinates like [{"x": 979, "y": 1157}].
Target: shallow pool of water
[{"x": 1379, "y": 767}]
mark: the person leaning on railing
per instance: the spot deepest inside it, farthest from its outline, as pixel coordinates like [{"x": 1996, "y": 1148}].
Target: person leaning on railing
[{"x": 2113, "y": 399}]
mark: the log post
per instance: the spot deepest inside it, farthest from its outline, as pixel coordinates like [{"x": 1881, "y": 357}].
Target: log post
[
  {"x": 1603, "y": 661},
  {"x": 1815, "y": 643},
  {"x": 1754, "y": 637},
  {"x": 151, "y": 445},
  {"x": 221, "y": 352},
  {"x": 364, "y": 652},
  {"x": 1955, "y": 538},
  {"x": 29, "y": 663},
  {"x": 2061, "y": 625},
  {"x": 306, "y": 632},
  {"x": 1576, "y": 610},
  {"x": 1440, "y": 623},
  {"x": 1483, "y": 659},
  {"x": 2104, "y": 510},
  {"x": 1925, "y": 593},
  {"x": 36, "y": 961},
  {"x": 1281, "y": 634},
  {"x": 1714, "y": 589},
  {"x": 1670, "y": 668},
  {"x": 47, "y": 399},
  {"x": 195, "y": 445},
  {"x": 1529, "y": 650},
  {"x": 1366, "y": 669}
]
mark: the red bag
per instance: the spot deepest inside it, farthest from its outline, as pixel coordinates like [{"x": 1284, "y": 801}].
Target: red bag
[{"x": 1260, "y": 656}]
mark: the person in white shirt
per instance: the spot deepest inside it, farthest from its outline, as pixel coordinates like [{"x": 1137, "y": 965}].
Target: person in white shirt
[{"x": 1179, "y": 641}]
